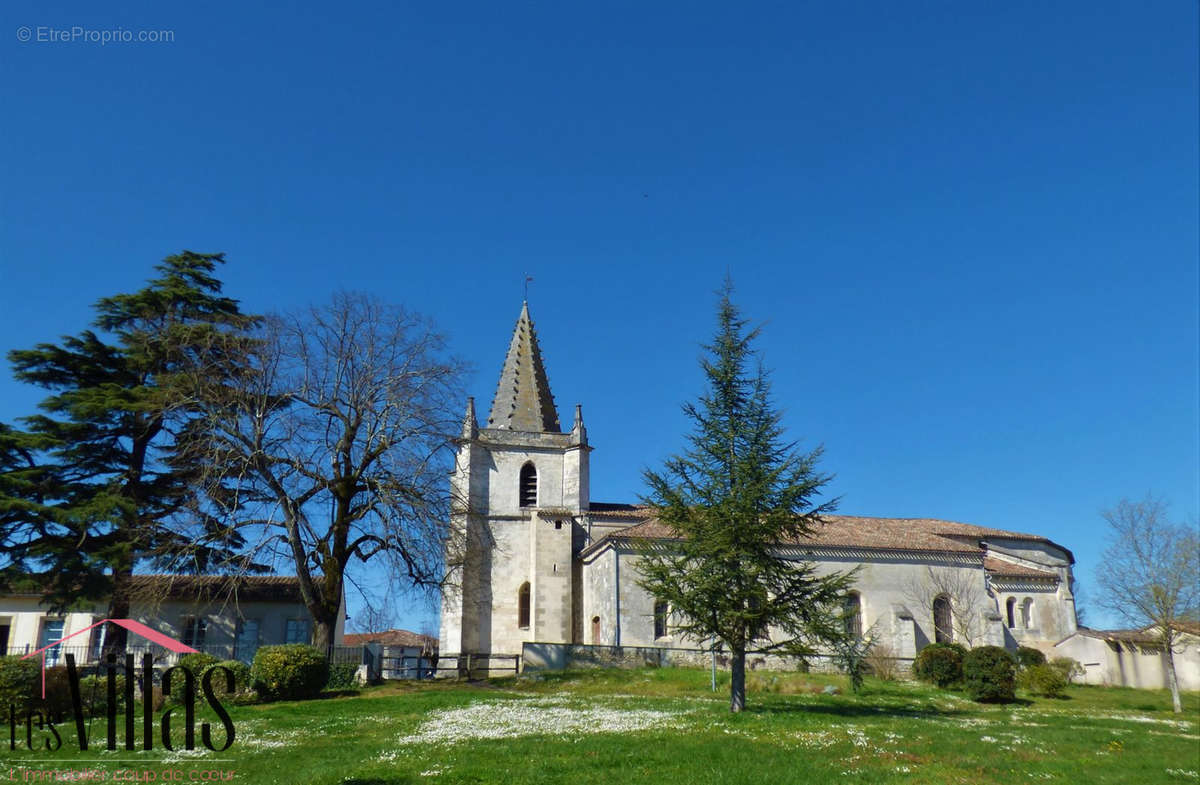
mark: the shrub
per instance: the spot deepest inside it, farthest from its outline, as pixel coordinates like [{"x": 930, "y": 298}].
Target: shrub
[
  {"x": 19, "y": 680},
  {"x": 1069, "y": 668},
  {"x": 1027, "y": 657},
  {"x": 940, "y": 664},
  {"x": 341, "y": 676},
  {"x": 93, "y": 694},
  {"x": 241, "y": 681},
  {"x": 989, "y": 674},
  {"x": 881, "y": 660},
  {"x": 851, "y": 655},
  {"x": 1043, "y": 680},
  {"x": 198, "y": 663},
  {"x": 288, "y": 672}
]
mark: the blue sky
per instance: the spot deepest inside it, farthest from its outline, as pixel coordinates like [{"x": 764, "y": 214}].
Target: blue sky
[{"x": 970, "y": 229}]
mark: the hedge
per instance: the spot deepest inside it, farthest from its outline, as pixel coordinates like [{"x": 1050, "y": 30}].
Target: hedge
[
  {"x": 940, "y": 664},
  {"x": 989, "y": 674},
  {"x": 289, "y": 672}
]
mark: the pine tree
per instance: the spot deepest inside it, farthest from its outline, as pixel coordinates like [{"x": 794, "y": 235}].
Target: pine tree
[
  {"x": 736, "y": 495},
  {"x": 91, "y": 487}
]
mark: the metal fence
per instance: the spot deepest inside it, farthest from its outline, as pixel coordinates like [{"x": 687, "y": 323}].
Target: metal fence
[
  {"x": 90, "y": 655},
  {"x": 477, "y": 666}
]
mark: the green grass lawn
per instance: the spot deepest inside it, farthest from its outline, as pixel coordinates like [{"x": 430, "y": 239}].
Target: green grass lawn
[{"x": 665, "y": 726}]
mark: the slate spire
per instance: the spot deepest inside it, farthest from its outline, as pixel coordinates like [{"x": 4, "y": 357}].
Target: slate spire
[{"x": 523, "y": 401}]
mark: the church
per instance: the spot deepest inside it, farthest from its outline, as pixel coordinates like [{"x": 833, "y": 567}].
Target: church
[{"x": 540, "y": 561}]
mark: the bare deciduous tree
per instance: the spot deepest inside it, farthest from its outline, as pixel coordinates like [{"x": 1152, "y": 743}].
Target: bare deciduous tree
[
  {"x": 376, "y": 614},
  {"x": 962, "y": 587},
  {"x": 330, "y": 445},
  {"x": 1151, "y": 574}
]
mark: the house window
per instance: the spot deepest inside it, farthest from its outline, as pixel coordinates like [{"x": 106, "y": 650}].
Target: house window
[
  {"x": 943, "y": 625},
  {"x": 523, "y": 606},
  {"x": 96, "y": 642},
  {"x": 1027, "y": 614},
  {"x": 1011, "y": 607},
  {"x": 52, "y": 632},
  {"x": 296, "y": 631},
  {"x": 5, "y": 626},
  {"x": 247, "y": 640},
  {"x": 194, "y": 630},
  {"x": 661, "y": 611},
  {"x": 852, "y": 615},
  {"x": 528, "y": 485}
]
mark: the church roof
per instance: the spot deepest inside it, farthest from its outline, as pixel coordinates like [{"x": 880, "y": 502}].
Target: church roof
[
  {"x": 523, "y": 401},
  {"x": 904, "y": 534},
  {"x": 1007, "y": 569},
  {"x": 610, "y": 510}
]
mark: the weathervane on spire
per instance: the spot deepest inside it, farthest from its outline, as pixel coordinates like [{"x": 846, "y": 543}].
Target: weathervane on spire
[{"x": 528, "y": 278}]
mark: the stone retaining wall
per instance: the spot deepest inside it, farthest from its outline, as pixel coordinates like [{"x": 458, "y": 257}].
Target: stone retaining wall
[{"x": 560, "y": 656}]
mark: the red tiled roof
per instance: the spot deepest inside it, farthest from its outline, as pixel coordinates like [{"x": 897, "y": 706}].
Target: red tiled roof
[
  {"x": 1121, "y": 636},
  {"x": 920, "y": 534},
  {"x": 392, "y": 638},
  {"x": 1008, "y": 569},
  {"x": 610, "y": 510},
  {"x": 243, "y": 588}
]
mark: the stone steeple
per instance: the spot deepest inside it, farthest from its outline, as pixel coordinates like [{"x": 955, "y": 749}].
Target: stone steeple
[{"x": 523, "y": 401}]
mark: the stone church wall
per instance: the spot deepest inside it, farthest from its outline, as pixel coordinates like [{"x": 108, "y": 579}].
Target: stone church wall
[{"x": 559, "y": 656}]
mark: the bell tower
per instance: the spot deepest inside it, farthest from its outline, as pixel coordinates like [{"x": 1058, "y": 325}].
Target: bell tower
[{"x": 520, "y": 485}]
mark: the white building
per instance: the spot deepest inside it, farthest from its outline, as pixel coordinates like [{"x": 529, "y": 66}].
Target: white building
[
  {"x": 1133, "y": 658},
  {"x": 545, "y": 563},
  {"x": 203, "y": 612}
]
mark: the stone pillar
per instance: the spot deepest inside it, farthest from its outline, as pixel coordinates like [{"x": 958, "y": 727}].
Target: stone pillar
[
  {"x": 550, "y": 557},
  {"x": 993, "y": 628},
  {"x": 904, "y": 633}
]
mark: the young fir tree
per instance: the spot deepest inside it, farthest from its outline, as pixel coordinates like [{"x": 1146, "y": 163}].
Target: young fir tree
[
  {"x": 91, "y": 487},
  {"x": 732, "y": 499}
]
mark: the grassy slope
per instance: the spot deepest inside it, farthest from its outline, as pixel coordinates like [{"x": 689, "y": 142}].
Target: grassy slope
[{"x": 894, "y": 732}]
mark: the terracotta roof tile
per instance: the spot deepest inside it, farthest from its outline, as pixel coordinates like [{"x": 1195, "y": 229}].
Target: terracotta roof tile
[
  {"x": 244, "y": 588},
  {"x": 1008, "y": 569},
  {"x": 922, "y": 534},
  {"x": 392, "y": 638},
  {"x": 610, "y": 510}
]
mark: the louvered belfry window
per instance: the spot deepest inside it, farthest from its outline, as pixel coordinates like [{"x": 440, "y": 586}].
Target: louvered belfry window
[{"x": 528, "y": 486}]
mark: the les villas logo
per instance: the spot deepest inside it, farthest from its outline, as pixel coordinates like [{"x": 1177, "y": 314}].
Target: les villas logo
[{"x": 45, "y": 723}]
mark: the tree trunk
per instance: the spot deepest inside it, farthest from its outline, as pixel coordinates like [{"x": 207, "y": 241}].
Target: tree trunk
[
  {"x": 116, "y": 637},
  {"x": 1172, "y": 679},
  {"x": 737, "y": 681},
  {"x": 323, "y": 634}
]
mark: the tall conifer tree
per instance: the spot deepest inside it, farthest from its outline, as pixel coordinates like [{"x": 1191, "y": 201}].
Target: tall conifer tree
[
  {"x": 738, "y": 493},
  {"x": 91, "y": 486}
]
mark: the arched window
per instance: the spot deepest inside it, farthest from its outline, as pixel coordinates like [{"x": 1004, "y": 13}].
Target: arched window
[
  {"x": 1027, "y": 614},
  {"x": 1011, "y": 605},
  {"x": 852, "y": 615},
  {"x": 661, "y": 612},
  {"x": 523, "y": 606},
  {"x": 528, "y": 485},
  {"x": 943, "y": 625}
]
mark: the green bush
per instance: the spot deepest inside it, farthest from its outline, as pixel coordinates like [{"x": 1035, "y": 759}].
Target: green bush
[
  {"x": 940, "y": 664},
  {"x": 1069, "y": 668},
  {"x": 1027, "y": 657},
  {"x": 93, "y": 694},
  {"x": 19, "y": 680},
  {"x": 989, "y": 674},
  {"x": 341, "y": 676},
  {"x": 198, "y": 663},
  {"x": 1043, "y": 680},
  {"x": 241, "y": 677},
  {"x": 289, "y": 672}
]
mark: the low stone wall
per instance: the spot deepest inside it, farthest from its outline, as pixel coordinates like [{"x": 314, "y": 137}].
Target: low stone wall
[{"x": 560, "y": 656}]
